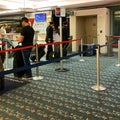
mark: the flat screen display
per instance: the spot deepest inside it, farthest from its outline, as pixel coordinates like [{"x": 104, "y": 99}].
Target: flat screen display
[{"x": 41, "y": 17}]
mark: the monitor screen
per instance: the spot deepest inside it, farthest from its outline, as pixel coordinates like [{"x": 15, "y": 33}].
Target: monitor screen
[{"x": 41, "y": 17}]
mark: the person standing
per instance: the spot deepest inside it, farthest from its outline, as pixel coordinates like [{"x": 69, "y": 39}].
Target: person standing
[
  {"x": 2, "y": 55},
  {"x": 3, "y": 29},
  {"x": 65, "y": 33},
  {"x": 26, "y": 39},
  {"x": 49, "y": 39},
  {"x": 1, "y": 77},
  {"x": 4, "y": 38},
  {"x": 65, "y": 37}
]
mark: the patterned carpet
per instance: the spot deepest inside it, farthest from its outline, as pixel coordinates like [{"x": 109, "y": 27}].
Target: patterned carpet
[{"x": 66, "y": 95}]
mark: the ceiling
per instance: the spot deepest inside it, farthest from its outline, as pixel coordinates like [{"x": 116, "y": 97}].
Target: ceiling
[{"x": 32, "y": 5}]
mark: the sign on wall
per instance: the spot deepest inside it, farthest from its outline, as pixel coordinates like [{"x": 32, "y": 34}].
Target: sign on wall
[
  {"x": 40, "y": 26},
  {"x": 60, "y": 12}
]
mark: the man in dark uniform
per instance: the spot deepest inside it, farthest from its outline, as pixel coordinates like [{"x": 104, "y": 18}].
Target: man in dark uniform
[
  {"x": 65, "y": 33},
  {"x": 49, "y": 39},
  {"x": 65, "y": 36},
  {"x": 26, "y": 38}
]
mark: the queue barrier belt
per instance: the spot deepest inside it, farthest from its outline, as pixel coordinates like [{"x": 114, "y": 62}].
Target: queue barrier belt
[
  {"x": 27, "y": 47},
  {"x": 2, "y": 73}
]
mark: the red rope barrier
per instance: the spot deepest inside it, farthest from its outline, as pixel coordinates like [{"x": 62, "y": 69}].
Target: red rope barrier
[
  {"x": 26, "y": 47},
  {"x": 56, "y": 43},
  {"x": 15, "y": 49},
  {"x": 115, "y": 44},
  {"x": 116, "y": 36}
]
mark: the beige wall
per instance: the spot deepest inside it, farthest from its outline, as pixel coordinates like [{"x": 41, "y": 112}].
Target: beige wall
[{"x": 100, "y": 30}]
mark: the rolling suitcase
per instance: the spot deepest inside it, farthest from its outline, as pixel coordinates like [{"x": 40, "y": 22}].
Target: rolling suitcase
[
  {"x": 56, "y": 53},
  {"x": 41, "y": 53},
  {"x": 88, "y": 49}
]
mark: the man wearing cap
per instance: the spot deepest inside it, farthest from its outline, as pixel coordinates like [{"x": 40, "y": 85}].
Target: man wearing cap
[{"x": 26, "y": 39}]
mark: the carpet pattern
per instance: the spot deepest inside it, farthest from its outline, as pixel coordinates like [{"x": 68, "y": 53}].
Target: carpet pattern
[{"x": 66, "y": 95}]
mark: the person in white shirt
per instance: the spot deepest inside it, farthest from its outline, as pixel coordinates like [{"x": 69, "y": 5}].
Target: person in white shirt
[
  {"x": 4, "y": 35},
  {"x": 3, "y": 28},
  {"x": 2, "y": 55},
  {"x": 3, "y": 32}
]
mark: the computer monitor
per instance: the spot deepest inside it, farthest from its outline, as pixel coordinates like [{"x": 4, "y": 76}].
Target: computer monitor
[{"x": 41, "y": 17}]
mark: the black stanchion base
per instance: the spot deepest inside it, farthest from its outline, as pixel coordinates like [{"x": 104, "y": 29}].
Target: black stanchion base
[{"x": 61, "y": 70}]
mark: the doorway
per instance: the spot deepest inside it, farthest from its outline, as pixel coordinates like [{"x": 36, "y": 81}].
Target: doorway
[{"x": 87, "y": 27}]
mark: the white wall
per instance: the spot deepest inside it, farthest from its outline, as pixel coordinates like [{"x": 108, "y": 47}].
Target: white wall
[{"x": 103, "y": 25}]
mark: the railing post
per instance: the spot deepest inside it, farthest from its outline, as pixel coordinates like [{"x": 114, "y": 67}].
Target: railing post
[
  {"x": 6, "y": 57},
  {"x": 81, "y": 55},
  {"x": 118, "y": 53},
  {"x": 37, "y": 77},
  {"x": 61, "y": 69},
  {"x": 98, "y": 87}
]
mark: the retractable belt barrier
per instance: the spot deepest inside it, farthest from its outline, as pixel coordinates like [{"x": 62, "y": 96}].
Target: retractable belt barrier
[
  {"x": 45, "y": 62},
  {"x": 34, "y": 65}
]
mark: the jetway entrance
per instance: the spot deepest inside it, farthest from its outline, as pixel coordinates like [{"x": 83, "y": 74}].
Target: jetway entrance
[
  {"x": 91, "y": 24},
  {"x": 87, "y": 28}
]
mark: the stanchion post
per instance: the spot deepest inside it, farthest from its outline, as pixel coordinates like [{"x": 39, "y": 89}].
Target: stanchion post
[
  {"x": 61, "y": 51},
  {"x": 98, "y": 67},
  {"x": 6, "y": 57},
  {"x": 98, "y": 87},
  {"x": 61, "y": 69},
  {"x": 37, "y": 68},
  {"x": 118, "y": 65},
  {"x": 81, "y": 55},
  {"x": 109, "y": 46},
  {"x": 37, "y": 77}
]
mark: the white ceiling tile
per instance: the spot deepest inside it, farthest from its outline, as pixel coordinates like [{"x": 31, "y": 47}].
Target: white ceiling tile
[{"x": 16, "y": 4}]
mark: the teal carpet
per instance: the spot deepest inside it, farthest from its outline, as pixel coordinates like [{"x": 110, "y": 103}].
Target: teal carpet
[{"x": 66, "y": 95}]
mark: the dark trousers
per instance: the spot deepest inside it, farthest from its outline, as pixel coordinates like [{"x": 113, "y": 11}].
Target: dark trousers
[
  {"x": 49, "y": 50},
  {"x": 26, "y": 59},
  {"x": 1, "y": 77}
]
